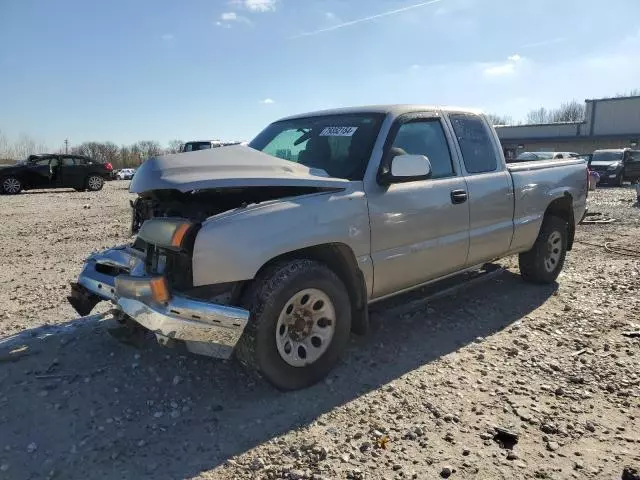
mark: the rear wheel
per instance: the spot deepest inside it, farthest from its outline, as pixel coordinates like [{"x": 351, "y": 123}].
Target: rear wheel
[
  {"x": 543, "y": 263},
  {"x": 300, "y": 323},
  {"x": 95, "y": 183},
  {"x": 11, "y": 185}
]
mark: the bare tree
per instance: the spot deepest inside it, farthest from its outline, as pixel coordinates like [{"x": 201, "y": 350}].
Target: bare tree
[
  {"x": 572, "y": 111},
  {"x": 149, "y": 148},
  {"x": 631, "y": 93},
  {"x": 499, "y": 119},
  {"x": 174, "y": 146},
  {"x": 6, "y": 152},
  {"x": 541, "y": 115}
]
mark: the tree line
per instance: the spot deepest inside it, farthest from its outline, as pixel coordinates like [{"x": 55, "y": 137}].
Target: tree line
[
  {"x": 572, "y": 111},
  {"x": 120, "y": 156},
  {"x": 123, "y": 156}
]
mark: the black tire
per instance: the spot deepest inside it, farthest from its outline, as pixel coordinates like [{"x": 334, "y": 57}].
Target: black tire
[
  {"x": 534, "y": 263},
  {"x": 94, "y": 183},
  {"x": 266, "y": 298},
  {"x": 11, "y": 185}
]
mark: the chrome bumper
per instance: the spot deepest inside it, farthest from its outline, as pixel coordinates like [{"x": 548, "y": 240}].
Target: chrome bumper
[{"x": 206, "y": 328}]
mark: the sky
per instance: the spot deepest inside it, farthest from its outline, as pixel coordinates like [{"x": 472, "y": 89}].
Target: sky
[{"x": 123, "y": 70}]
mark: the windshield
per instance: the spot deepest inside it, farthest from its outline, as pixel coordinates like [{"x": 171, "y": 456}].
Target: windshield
[
  {"x": 338, "y": 144},
  {"x": 607, "y": 156},
  {"x": 529, "y": 156}
]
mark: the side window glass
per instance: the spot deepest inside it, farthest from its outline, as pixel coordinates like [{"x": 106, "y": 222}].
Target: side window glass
[
  {"x": 43, "y": 162},
  {"x": 475, "y": 143},
  {"x": 426, "y": 137},
  {"x": 68, "y": 161}
]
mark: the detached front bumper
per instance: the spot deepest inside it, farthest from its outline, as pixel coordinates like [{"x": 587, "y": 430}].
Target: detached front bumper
[{"x": 118, "y": 275}]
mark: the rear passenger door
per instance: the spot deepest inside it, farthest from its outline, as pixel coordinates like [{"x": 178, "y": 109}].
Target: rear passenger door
[
  {"x": 72, "y": 171},
  {"x": 490, "y": 189}
]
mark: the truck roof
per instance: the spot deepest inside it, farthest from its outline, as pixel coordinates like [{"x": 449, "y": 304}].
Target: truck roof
[{"x": 397, "y": 109}]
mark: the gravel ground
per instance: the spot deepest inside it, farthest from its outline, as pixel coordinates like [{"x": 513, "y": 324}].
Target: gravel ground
[{"x": 502, "y": 380}]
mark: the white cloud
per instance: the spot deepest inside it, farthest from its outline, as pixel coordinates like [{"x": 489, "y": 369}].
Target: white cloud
[
  {"x": 268, "y": 101},
  {"x": 167, "y": 37},
  {"x": 227, "y": 18},
  {"x": 258, "y": 6},
  {"x": 503, "y": 69}
]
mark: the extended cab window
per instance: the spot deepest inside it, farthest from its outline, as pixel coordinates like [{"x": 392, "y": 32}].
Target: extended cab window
[
  {"x": 425, "y": 137},
  {"x": 68, "y": 161},
  {"x": 338, "y": 144},
  {"x": 476, "y": 145}
]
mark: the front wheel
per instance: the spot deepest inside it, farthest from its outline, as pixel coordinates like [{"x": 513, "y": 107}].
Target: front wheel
[
  {"x": 300, "y": 323},
  {"x": 95, "y": 183},
  {"x": 11, "y": 185},
  {"x": 543, "y": 263}
]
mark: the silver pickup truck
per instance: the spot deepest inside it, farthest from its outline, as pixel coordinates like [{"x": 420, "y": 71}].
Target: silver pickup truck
[{"x": 274, "y": 250}]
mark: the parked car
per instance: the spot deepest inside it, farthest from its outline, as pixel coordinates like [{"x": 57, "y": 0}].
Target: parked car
[
  {"x": 616, "y": 165},
  {"x": 126, "y": 173},
  {"x": 536, "y": 156},
  {"x": 201, "y": 145},
  {"x": 54, "y": 171},
  {"x": 274, "y": 250}
]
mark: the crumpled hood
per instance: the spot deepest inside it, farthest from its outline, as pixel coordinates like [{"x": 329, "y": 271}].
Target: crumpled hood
[{"x": 233, "y": 166}]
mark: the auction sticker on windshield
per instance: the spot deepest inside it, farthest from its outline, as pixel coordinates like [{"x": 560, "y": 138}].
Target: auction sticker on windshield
[{"x": 338, "y": 131}]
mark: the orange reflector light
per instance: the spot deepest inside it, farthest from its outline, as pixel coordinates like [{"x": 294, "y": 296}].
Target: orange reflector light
[
  {"x": 178, "y": 235},
  {"x": 159, "y": 290}
]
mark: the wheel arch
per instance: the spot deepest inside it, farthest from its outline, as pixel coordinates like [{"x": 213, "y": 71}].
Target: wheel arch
[
  {"x": 342, "y": 261},
  {"x": 562, "y": 207}
]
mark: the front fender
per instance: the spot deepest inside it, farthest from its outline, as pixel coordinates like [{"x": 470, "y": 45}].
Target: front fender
[{"x": 233, "y": 246}]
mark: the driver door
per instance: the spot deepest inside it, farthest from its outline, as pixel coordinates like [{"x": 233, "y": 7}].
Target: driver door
[
  {"x": 38, "y": 173},
  {"x": 419, "y": 229}
]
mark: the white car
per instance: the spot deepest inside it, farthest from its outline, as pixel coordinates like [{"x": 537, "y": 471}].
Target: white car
[{"x": 126, "y": 173}]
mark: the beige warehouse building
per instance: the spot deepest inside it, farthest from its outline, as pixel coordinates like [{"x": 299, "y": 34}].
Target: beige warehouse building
[{"x": 608, "y": 123}]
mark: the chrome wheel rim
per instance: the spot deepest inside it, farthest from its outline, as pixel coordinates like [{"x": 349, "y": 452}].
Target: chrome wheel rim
[
  {"x": 95, "y": 183},
  {"x": 305, "y": 327},
  {"x": 11, "y": 185},
  {"x": 554, "y": 250}
]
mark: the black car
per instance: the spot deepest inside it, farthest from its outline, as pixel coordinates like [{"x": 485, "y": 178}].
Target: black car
[
  {"x": 616, "y": 165},
  {"x": 54, "y": 171}
]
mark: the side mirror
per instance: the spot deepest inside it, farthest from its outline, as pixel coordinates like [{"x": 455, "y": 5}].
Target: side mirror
[{"x": 407, "y": 168}]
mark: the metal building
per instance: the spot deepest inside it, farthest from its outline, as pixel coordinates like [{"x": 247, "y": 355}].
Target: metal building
[{"x": 609, "y": 123}]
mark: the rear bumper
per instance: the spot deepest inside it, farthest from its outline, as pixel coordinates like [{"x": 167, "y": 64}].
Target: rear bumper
[{"x": 118, "y": 275}]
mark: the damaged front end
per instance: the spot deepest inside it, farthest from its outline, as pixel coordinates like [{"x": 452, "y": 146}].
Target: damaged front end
[
  {"x": 151, "y": 280},
  {"x": 146, "y": 281}
]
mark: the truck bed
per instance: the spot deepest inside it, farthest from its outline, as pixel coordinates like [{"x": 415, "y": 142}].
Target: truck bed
[{"x": 534, "y": 184}]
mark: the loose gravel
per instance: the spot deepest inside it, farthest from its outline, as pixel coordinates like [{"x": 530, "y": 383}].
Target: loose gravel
[{"x": 502, "y": 380}]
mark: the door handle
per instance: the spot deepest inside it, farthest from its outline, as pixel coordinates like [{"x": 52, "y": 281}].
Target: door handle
[{"x": 458, "y": 196}]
